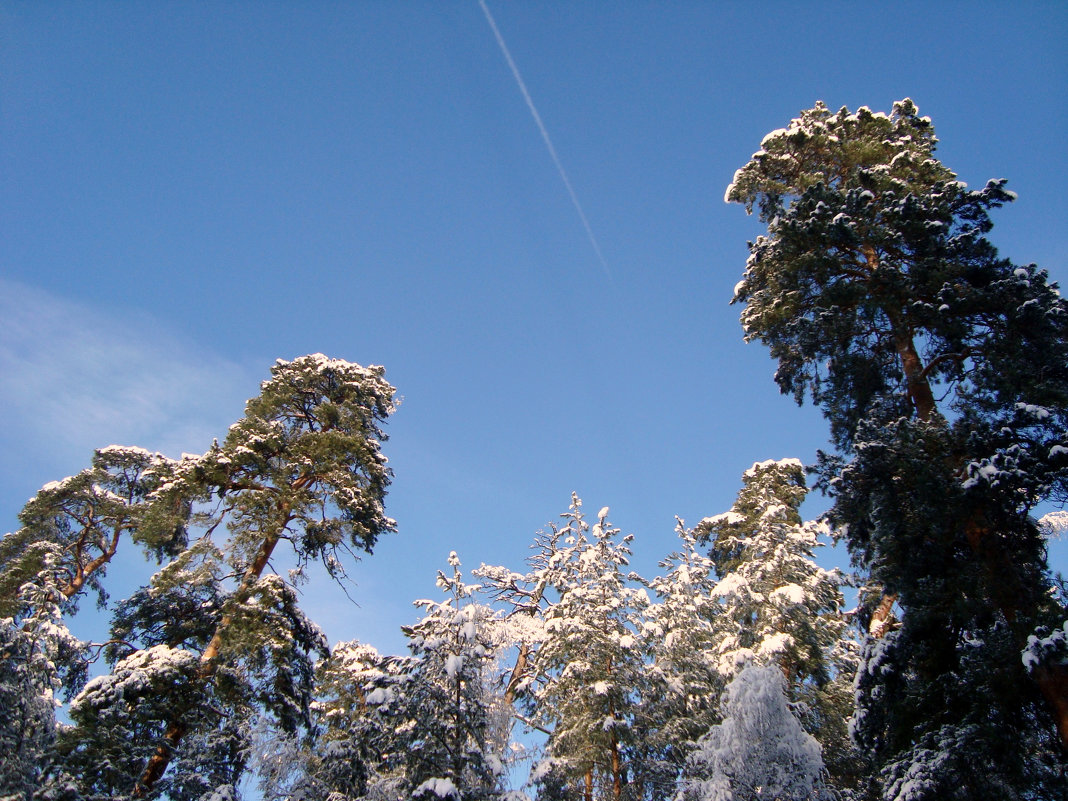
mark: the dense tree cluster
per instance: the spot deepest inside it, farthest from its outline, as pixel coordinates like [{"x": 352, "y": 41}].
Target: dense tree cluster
[{"x": 736, "y": 674}]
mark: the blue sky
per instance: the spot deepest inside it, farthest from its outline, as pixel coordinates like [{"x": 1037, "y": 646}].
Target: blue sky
[{"x": 192, "y": 190}]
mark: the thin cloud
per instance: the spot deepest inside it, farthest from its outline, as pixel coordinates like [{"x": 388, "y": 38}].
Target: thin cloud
[
  {"x": 545, "y": 135},
  {"x": 75, "y": 379}
]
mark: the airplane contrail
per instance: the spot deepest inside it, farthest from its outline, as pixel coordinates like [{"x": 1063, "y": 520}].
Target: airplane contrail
[{"x": 545, "y": 135}]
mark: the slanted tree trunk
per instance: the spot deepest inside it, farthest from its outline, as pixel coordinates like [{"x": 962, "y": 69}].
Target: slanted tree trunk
[{"x": 209, "y": 665}]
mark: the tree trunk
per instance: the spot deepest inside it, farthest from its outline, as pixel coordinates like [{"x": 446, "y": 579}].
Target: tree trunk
[
  {"x": 617, "y": 771},
  {"x": 880, "y": 618},
  {"x": 209, "y": 664},
  {"x": 159, "y": 760},
  {"x": 107, "y": 551},
  {"x": 520, "y": 668},
  {"x": 1052, "y": 681}
]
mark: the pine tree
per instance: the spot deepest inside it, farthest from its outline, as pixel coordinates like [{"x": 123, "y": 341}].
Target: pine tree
[
  {"x": 71, "y": 529},
  {"x": 943, "y": 371},
  {"x": 215, "y": 639}
]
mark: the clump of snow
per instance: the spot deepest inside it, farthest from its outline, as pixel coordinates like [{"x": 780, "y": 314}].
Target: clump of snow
[
  {"x": 728, "y": 518},
  {"x": 791, "y": 593},
  {"x": 1054, "y": 524},
  {"x": 1045, "y": 648},
  {"x": 442, "y": 788},
  {"x": 768, "y": 464}
]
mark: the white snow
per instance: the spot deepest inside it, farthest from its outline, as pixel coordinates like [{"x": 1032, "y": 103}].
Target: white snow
[
  {"x": 791, "y": 593},
  {"x": 442, "y": 788}
]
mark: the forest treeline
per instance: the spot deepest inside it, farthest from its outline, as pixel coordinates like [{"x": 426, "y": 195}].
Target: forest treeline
[{"x": 737, "y": 674}]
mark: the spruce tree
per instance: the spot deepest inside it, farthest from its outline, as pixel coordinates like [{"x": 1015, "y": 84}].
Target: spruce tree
[
  {"x": 776, "y": 606},
  {"x": 590, "y": 665},
  {"x": 943, "y": 372},
  {"x": 759, "y": 752},
  {"x": 461, "y": 720},
  {"x": 28, "y": 681},
  {"x": 683, "y": 684}
]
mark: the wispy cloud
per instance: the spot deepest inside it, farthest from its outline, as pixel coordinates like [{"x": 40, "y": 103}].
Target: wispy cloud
[
  {"x": 76, "y": 378},
  {"x": 544, "y": 135}
]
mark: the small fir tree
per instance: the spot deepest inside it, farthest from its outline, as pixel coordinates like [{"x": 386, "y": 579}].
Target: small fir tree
[{"x": 759, "y": 751}]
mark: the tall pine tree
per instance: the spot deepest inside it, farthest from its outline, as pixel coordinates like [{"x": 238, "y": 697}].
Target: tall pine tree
[{"x": 943, "y": 371}]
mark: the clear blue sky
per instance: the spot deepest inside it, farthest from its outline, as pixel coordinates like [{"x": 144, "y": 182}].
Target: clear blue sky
[{"x": 191, "y": 190}]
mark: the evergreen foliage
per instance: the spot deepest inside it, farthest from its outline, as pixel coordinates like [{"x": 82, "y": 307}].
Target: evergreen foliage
[
  {"x": 590, "y": 667},
  {"x": 683, "y": 683},
  {"x": 943, "y": 372},
  {"x": 27, "y": 725},
  {"x": 759, "y": 751},
  {"x": 213, "y": 640}
]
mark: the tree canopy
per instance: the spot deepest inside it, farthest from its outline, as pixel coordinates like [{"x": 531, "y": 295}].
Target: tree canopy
[{"x": 942, "y": 369}]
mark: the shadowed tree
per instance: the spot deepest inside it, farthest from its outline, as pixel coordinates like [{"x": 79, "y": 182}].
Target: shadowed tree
[{"x": 943, "y": 372}]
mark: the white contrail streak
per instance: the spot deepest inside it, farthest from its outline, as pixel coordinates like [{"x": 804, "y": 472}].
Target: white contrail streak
[{"x": 544, "y": 135}]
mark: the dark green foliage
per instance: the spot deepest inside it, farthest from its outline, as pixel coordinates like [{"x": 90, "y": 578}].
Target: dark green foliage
[
  {"x": 72, "y": 528},
  {"x": 943, "y": 371}
]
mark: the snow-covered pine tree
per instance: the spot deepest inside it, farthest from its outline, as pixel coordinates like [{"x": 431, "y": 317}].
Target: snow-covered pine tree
[
  {"x": 303, "y": 466},
  {"x": 777, "y": 606},
  {"x": 526, "y": 596},
  {"x": 759, "y": 752},
  {"x": 590, "y": 665},
  {"x": 943, "y": 371},
  {"x": 72, "y": 528},
  {"x": 70, "y": 531}
]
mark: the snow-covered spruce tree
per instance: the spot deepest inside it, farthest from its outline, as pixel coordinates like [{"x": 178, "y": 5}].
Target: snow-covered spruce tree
[
  {"x": 759, "y": 751},
  {"x": 303, "y": 466},
  {"x": 27, "y": 725},
  {"x": 777, "y": 606},
  {"x": 459, "y": 721},
  {"x": 943, "y": 371},
  {"x": 363, "y": 725},
  {"x": 590, "y": 667},
  {"x": 429, "y": 725},
  {"x": 683, "y": 683}
]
